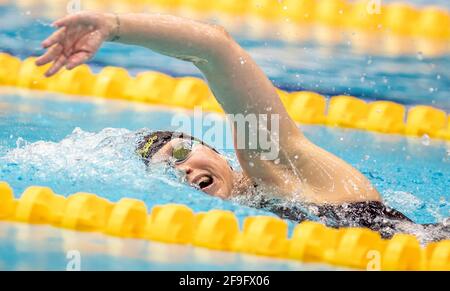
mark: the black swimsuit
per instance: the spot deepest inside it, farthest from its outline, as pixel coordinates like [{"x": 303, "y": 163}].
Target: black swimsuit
[{"x": 371, "y": 214}]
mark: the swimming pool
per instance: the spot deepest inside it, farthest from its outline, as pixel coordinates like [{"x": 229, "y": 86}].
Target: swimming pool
[
  {"x": 72, "y": 144},
  {"x": 63, "y": 144}
]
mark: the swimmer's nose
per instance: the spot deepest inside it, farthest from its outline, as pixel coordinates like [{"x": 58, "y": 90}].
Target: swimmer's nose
[
  {"x": 191, "y": 173},
  {"x": 186, "y": 169}
]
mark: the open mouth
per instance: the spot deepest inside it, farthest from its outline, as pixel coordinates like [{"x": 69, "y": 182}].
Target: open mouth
[{"x": 204, "y": 182}]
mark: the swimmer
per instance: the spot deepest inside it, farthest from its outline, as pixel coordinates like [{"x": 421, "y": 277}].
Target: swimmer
[{"x": 322, "y": 184}]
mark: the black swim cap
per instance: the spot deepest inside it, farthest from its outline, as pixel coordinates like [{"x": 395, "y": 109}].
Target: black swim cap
[{"x": 154, "y": 141}]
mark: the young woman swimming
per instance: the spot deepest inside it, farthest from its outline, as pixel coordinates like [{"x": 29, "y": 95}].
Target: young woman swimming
[{"x": 322, "y": 184}]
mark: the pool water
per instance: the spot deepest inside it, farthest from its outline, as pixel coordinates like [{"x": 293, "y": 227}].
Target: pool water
[{"x": 75, "y": 144}]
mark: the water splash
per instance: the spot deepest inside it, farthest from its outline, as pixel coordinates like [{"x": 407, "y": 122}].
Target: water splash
[
  {"x": 85, "y": 157},
  {"x": 104, "y": 163}
]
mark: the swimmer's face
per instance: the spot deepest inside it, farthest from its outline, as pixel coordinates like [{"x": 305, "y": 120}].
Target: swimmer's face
[{"x": 204, "y": 168}]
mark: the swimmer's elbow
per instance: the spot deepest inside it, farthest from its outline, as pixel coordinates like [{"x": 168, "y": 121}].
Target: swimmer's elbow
[
  {"x": 222, "y": 44},
  {"x": 223, "y": 34}
]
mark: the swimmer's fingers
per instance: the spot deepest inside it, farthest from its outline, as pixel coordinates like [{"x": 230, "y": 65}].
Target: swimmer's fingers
[
  {"x": 86, "y": 48},
  {"x": 57, "y": 65},
  {"x": 53, "y": 53},
  {"x": 57, "y": 37},
  {"x": 78, "y": 59}
]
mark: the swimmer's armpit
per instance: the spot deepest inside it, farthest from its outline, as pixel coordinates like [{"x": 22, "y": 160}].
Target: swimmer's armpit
[{"x": 195, "y": 60}]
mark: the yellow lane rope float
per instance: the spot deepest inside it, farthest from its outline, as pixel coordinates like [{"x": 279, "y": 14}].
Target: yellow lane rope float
[
  {"x": 157, "y": 88},
  {"x": 371, "y": 15},
  {"x": 358, "y": 248}
]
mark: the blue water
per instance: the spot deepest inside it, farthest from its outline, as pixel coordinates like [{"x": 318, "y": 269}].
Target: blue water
[{"x": 75, "y": 144}]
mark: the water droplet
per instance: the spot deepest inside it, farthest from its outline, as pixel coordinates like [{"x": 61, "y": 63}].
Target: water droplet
[
  {"x": 366, "y": 157},
  {"x": 446, "y": 222},
  {"x": 20, "y": 143},
  {"x": 420, "y": 56},
  {"x": 425, "y": 140},
  {"x": 77, "y": 131},
  {"x": 369, "y": 61},
  {"x": 431, "y": 89},
  {"x": 438, "y": 77},
  {"x": 277, "y": 162},
  {"x": 296, "y": 156},
  {"x": 251, "y": 164}
]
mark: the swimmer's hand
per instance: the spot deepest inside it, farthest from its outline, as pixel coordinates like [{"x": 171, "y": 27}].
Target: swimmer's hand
[{"x": 78, "y": 38}]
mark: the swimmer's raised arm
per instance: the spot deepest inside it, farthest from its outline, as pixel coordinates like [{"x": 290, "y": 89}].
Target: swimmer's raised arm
[
  {"x": 237, "y": 82},
  {"x": 239, "y": 85}
]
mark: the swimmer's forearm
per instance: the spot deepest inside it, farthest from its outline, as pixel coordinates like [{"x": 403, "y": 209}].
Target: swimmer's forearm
[{"x": 169, "y": 35}]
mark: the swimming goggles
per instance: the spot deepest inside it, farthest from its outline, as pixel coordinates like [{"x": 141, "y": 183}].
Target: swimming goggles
[{"x": 183, "y": 150}]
